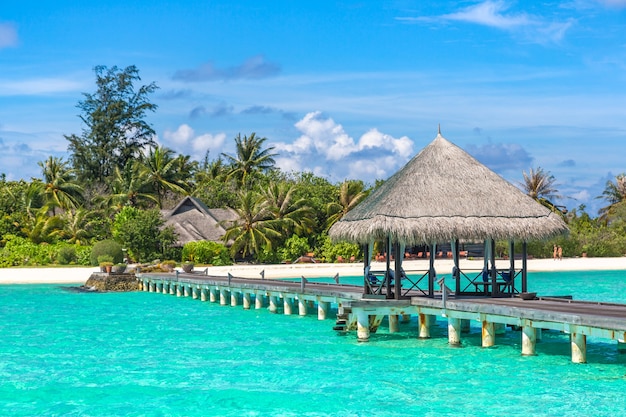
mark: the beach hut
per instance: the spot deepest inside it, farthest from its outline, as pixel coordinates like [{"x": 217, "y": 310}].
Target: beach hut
[
  {"x": 193, "y": 221},
  {"x": 444, "y": 195}
]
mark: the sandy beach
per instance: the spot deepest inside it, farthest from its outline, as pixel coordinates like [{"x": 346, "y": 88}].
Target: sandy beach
[{"x": 77, "y": 275}]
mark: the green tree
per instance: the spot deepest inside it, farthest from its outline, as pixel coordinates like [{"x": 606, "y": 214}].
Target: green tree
[
  {"x": 256, "y": 228},
  {"x": 614, "y": 193},
  {"x": 250, "y": 158},
  {"x": 142, "y": 233},
  {"x": 351, "y": 193},
  {"x": 60, "y": 186},
  {"x": 129, "y": 188},
  {"x": 540, "y": 185},
  {"x": 163, "y": 172},
  {"x": 292, "y": 214},
  {"x": 115, "y": 130}
]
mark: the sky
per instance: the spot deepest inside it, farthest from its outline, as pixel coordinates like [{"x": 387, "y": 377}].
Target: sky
[{"x": 344, "y": 89}]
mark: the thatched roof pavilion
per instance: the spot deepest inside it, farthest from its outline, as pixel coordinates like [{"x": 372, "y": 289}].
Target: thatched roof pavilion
[{"x": 445, "y": 195}]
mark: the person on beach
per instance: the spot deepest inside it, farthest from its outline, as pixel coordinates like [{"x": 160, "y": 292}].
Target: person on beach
[
  {"x": 560, "y": 253},
  {"x": 555, "y": 252}
]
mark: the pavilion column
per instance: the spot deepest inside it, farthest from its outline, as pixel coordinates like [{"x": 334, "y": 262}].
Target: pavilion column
[
  {"x": 512, "y": 265},
  {"x": 456, "y": 272},
  {"x": 493, "y": 270},
  {"x": 388, "y": 266},
  {"x": 399, "y": 254},
  {"x": 367, "y": 259},
  {"x": 431, "y": 270},
  {"x": 524, "y": 266}
]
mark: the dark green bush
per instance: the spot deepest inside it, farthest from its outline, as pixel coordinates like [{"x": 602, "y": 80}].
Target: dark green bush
[
  {"x": 205, "y": 252},
  {"x": 107, "y": 247},
  {"x": 66, "y": 255}
]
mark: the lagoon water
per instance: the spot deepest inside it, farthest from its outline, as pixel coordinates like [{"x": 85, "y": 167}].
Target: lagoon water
[{"x": 64, "y": 353}]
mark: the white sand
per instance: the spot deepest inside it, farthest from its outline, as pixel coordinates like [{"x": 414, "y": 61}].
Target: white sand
[{"x": 442, "y": 266}]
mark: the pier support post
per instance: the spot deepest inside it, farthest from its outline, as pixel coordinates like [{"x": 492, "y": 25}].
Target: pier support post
[
  {"x": 489, "y": 334},
  {"x": 423, "y": 321},
  {"x": 579, "y": 348},
  {"x": 287, "y": 306},
  {"x": 203, "y": 295},
  {"x": 179, "y": 290},
  {"x": 172, "y": 288},
  {"x": 246, "y": 301},
  {"x": 302, "y": 307},
  {"x": 322, "y": 309},
  {"x": 454, "y": 331},
  {"x": 234, "y": 298},
  {"x": 259, "y": 301},
  {"x": 166, "y": 287},
  {"x": 151, "y": 287},
  {"x": 223, "y": 295},
  {"x": 194, "y": 293},
  {"x": 393, "y": 323},
  {"x": 363, "y": 326},
  {"x": 273, "y": 304},
  {"x": 465, "y": 326},
  {"x": 145, "y": 285},
  {"x": 529, "y": 341},
  {"x": 212, "y": 295}
]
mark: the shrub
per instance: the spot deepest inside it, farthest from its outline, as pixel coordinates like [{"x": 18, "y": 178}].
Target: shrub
[
  {"x": 142, "y": 232},
  {"x": 294, "y": 247},
  {"x": 66, "y": 255},
  {"x": 206, "y": 252},
  {"x": 331, "y": 251},
  {"x": 107, "y": 247}
]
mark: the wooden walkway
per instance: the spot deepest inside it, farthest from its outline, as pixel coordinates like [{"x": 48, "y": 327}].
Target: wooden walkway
[{"x": 356, "y": 312}]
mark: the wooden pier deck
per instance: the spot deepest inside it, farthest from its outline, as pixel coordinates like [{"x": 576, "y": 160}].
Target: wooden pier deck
[{"x": 357, "y": 312}]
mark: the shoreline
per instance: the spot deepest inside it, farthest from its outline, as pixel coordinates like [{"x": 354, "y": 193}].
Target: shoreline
[{"x": 79, "y": 275}]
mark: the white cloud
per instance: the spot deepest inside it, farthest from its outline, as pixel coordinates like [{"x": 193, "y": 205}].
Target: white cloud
[
  {"x": 325, "y": 147},
  {"x": 185, "y": 137},
  {"x": 8, "y": 35},
  {"x": 490, "y": 13},
  {"x": 208, "y": 141},
  {"x": 38, "y": 86},
  {"x": 180, "y": 136}
]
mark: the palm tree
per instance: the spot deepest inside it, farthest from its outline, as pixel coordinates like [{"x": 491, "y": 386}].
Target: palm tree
[
  {"x": 129, "y": 188},
  {"x": 351, "y": 193},
  {"x": 293, "y": 215},
  {"x": 250, "y": 157},
  {"x": 256, "y": 228},
  {"x": 60, "y": 188},
  {"x": 76, "y": 228},
  {"x": 162, "y": 173},
  {"x": 614, "y": 193},
  {"x": 540, "y": 186}
]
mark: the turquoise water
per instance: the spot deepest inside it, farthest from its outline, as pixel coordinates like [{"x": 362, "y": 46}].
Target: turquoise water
[{"x": 145, "y": 354}]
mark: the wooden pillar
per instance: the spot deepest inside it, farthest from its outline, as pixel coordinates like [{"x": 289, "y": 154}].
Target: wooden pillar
[
  {"x": 524, "y": 267},
  {"x": 388, "y": 266},
  {"x": 493, "y": 271},
  {"x": 363, "y": 326},
  {"x": 273, "y": 304},
  {"x": 302, "y": 306},
  {"x": 367, "y": 256},
  {"x": 423, "y": 321},
  {"x": 259, "y": 300},
  {"x": 489, "y": 334},
  {"x": 322, "y": 309},
  {"x": 246, "y": 301},
  {"x": 454, "y": 331},
  {"x": 394, "y": 327},
  {"x": 399, "y": 254},
  {"x": 287, "y": 305},
  {"x": 579, "y": 348},
  {"x": 431, "y": 270},
  {"x": 455, "y": 257},
  {"x": 529, "y": 340}
]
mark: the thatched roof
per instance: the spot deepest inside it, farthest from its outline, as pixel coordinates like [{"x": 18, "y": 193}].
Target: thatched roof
[
  {"x": 193, "y": 221},
  {"x": 444, "y": 194}
]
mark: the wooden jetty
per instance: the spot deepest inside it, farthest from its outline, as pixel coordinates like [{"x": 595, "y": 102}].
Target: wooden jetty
[{"x": 358, "y": 311}]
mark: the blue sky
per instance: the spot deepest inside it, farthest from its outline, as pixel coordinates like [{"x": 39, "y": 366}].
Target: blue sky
[{"x": 346, "y": 89}]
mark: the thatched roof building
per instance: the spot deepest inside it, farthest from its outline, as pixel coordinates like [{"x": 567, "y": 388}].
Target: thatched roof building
[
  {"x": 441, "y": 195},
  {"x": 193, "y": 221}
]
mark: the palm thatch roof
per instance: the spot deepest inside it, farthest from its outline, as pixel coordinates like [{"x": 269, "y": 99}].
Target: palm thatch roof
[
  {"x": 444, "y": 194},
  {"x": 193, "y": 221}
]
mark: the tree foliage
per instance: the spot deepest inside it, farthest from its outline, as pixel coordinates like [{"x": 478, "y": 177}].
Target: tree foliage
[{"x": 115, "y": 129}]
